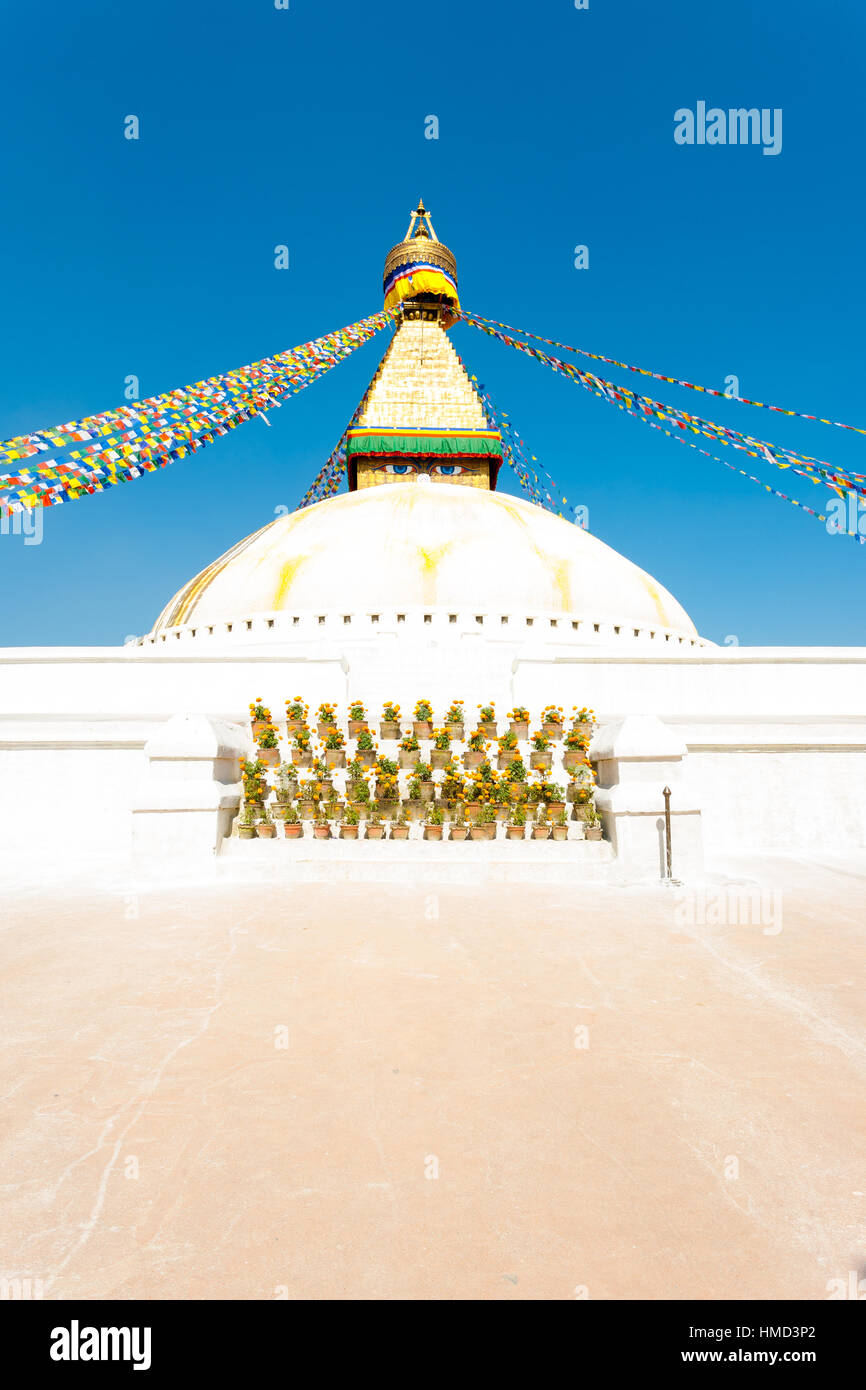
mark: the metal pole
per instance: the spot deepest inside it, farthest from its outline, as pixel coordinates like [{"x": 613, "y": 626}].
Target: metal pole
[{"x": 667, "y": 796}]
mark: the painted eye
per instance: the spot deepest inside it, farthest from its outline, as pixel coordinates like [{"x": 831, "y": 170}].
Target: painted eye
[
  {"x": 448, "y": 470},
  {"x": 399, "y": 468}
]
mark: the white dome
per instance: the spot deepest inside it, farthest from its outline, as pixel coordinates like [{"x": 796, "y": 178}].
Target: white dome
[{"x": 433, "y": 546}]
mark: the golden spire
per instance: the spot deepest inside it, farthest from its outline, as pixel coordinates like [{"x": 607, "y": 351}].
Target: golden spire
[{"x": 420, "y": 224}]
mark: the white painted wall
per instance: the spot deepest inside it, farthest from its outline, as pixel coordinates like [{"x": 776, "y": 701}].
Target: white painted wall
[{"x": 776, "y": 736}]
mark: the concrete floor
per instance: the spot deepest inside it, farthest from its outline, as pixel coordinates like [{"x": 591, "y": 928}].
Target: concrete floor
[{"x": 703, "y": 1139}]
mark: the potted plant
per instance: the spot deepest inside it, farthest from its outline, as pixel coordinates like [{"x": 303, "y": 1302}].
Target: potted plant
[
  {"x": 354, "y": 778},
  {"x": 357, "y": 718},
  {"x": 477, "y": 749},
  {"x": 424, "y": 776},
  {"x": 453, "y": 785},
  {"x": 260, "y": 715},
  {"x": 292, "y": 828},
  {"x": 389, "y": 725},
  {"x": 551, "y": 720},
  {"x": 266, "y": 830},
  {"x": 302, "y": 752},
  {"x": 560, "y": 827},
  {"x": 516, "y": 780},
  {"x": 508, "y": 750},
  {"x": 335, "y": 755},
  {"x": 518, "y": 721},
  {"x": 296, "y": 715},
  {"x": 322, "y": 826},
  {"x": 327, "y": 719},
  {"x": 269, "y": 745},
  {"x": 487, "y": 720},
  {"x": 541, "y": 829},
  {"x": 575, "y": 747},
  {"x": 592, "y": 829},
  {"x": 349, "y": 827},
  {"x": 253, "y": 778},
  {"x": 554, "y": 799},
  {"x": 500, "y": 797},
  {"x": 367, "y": 752},
  {"x": 286, "y": 783},
  {"x": 362, "y": 799},
  {"x": 409, "y": 749},
  {"x": 487, "y": 819},
  {"x": 423, "y": 725},
  {"x": 433, "y": 827},
  {"x": 540, "y": 758},
  {"x": 247, "y": 823},
  {"x": 455, "y": 719},
  {"x": 440, "y": 756},
  {"x": 583, "y": 720},
  {"x": 307, "y": 802},
  {"x": 414, "y": 804},
  {"x": 333, "y": 809},
  {"x": 399, "y": 828},
  {"x": 387, "y": 793},
  {"x": 516, "y": 829},
  {"x": 459, "y": 828},
  {"x": 375, "y": 828}
]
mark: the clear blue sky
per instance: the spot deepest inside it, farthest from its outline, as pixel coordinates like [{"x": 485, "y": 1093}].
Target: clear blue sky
[{"x": 306, "y": 127}]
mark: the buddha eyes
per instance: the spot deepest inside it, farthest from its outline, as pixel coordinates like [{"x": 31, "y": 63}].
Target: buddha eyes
[{"x": 444, "y": 470}]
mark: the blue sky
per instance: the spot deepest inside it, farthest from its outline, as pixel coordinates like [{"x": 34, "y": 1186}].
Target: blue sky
[{"x": 306, "y": 127}]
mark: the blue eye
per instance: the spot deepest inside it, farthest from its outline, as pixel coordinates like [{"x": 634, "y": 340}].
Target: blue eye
[
  {"x": 398, "y": 468},
  {"x": 448, "y": 470}
]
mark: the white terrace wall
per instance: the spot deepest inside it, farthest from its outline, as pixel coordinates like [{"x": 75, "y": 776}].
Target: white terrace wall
[{"x": 776, "y": 737}]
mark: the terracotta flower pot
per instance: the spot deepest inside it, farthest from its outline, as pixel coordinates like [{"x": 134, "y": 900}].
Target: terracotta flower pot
[
  {"x": 322, "y": 830},
  {"x": 593, "y": 832},
  {"x": 572, "y": 757},
  {"x": 487, "y": 727},
  {"x": 516, "y": 832},
  {"x": 292, "y": 829},
  {"x": 473, "y": 759},
  {"x": 306, "y": 809},
  {"x": 292, "y": 725},
  {"x": 269, "y": 756},
  {"x": 582, "y": 811},
  {"x": 552, "y": 730},
  {"x": 414, "y": 810},
  {"x": 517, "y": 790},
  {"x": 423, "y": 728},
  {"x": 440, "y": 758},
  {"x": 375, "y": 832},
  {"x": 541, "y": 762},
  {"x": 455, "y": 730},
  {"x": 349, "y": 832},
  {"x": 399, "y": 832},
  {"x": 459, "y": 832},
  {"x": 257, "y": 725},
  {"x": 266, "y": 832},
  {"x": 387, "y": 808},
  {"x": 489, "y": 829},
  {"x": 324, "y": 729},
  {"x": 300, "y": 759},
  {"x": 335, "y": 757},
  {"x": 472, "y": 808},
  {"x": 582, "y": 727},
  {"x": 504, "y": 761},
  {"x": 433, "y": 832},
  {"x": 246, "y": 832},
  {"x": 560, "y": 832},
  {"x": 409, "y": 759},
  {"x": 540, "y": 832},
  {"x": 428, "y": 791},
  {"x": 477, "y": 832},
  {"x": 357, "y": 726},
  {"x": 555, "y": 808},
  {"x": 520, "y": 727},
  {"x": 389, "y": 729}
]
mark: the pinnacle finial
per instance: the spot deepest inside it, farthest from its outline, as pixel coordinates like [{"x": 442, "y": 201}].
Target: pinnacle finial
[{"x": 420, "y": 224}]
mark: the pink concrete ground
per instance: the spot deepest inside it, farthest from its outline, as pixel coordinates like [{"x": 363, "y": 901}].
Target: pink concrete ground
[{"x": 704, "y": 1139}]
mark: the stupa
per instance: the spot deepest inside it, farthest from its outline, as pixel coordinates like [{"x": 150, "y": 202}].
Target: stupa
[{"x": 423, "y": 535}]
